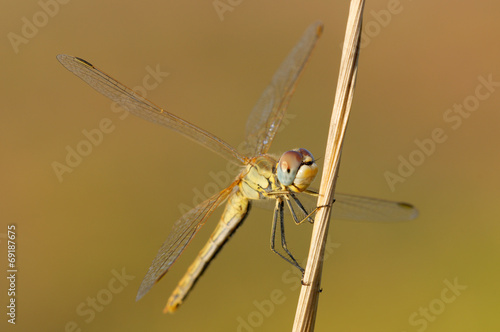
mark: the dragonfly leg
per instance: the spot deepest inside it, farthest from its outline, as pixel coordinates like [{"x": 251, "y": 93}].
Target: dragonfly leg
[
  {"x": 307, "y": 215},
  {"x": 292, "y": 211},
  {"x": 278, "y": 214}
]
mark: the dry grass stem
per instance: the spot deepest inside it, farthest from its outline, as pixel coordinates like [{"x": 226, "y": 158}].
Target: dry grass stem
[{"x": 308, "y": 300}]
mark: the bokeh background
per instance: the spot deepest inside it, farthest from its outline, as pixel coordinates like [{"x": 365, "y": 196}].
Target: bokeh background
[{"x": 111, "y": 213}]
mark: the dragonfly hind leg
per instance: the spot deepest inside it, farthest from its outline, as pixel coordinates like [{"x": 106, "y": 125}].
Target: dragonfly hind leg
[{"x": 278, "y": 214}]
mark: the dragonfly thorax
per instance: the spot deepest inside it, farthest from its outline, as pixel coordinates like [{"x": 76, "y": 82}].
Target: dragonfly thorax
[{"x": 296, "y": 169}]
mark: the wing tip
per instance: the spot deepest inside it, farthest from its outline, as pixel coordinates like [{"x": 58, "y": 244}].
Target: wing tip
[
  {"x": 143, "y": 290},
  {"x": 319, "y": 26},
  {"x": 412, "y": 210},
  {"x": 65, "y": 59},
  {"x": 62, "y": 58},
  {"x": 140, "y": 294}
]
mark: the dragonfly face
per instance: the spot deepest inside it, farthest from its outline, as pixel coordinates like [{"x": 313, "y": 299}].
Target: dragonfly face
[
  {"x": 296, "y": 169},
  {"x": 266, "y": 178}
]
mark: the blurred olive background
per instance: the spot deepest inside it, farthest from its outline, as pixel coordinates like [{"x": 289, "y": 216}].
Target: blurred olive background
[{"x": 112, "y": 212}]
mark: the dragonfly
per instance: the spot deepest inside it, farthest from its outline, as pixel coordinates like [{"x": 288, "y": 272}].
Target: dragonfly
[{"x": 263, "y": 176}]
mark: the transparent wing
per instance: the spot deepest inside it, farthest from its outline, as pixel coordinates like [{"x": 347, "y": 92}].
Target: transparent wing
[
  {"x": 266, "y": 116},
  {"x": 182, "y": 233},
  {"x": 140, "y": 106},
  {"x": 352, "y": 207}
]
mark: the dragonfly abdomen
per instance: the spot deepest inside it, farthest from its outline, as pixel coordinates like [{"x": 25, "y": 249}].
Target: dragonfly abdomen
[{"x": 236, "y": 210}]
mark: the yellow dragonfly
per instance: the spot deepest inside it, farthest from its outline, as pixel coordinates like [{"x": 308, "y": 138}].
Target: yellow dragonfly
[{"x": 263, "y": 177}]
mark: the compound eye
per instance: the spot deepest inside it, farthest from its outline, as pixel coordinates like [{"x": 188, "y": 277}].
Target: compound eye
[
  {"x": 307, "y": 157},
  {"x": 290, "y": 161},
  {"x": 288, "y": 166}
]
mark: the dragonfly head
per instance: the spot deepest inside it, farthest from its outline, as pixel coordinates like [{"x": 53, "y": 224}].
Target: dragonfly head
[{"x": 296, "y": 169}]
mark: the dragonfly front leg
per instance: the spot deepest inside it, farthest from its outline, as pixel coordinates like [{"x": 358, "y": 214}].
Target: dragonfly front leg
[{"x": 278, "y": 214}]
